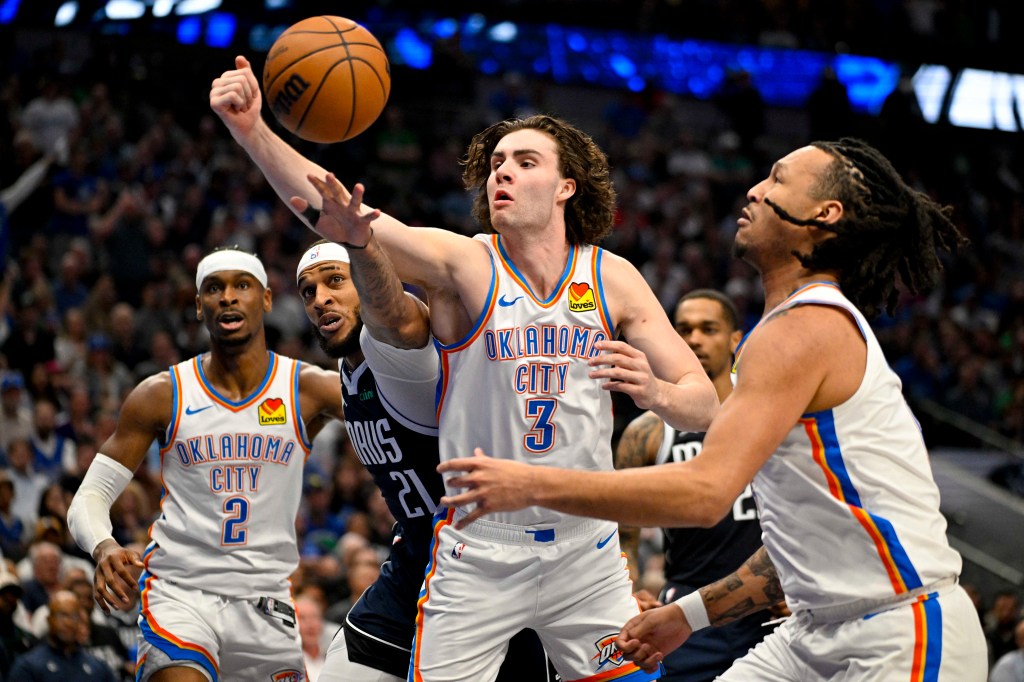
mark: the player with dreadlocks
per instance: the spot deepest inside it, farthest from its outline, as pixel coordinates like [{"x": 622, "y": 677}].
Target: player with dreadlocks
[{"x": 853, "y": 537}]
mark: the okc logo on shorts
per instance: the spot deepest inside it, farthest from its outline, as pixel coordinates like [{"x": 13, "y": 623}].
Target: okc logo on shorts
[
  {"x": 272, "y": 412},
  {"x": 287, "y": 676},
  {"x": 607, "y": 652},
  {"x": 457, "y": 549},
  {"x": 581, "y": 297}
]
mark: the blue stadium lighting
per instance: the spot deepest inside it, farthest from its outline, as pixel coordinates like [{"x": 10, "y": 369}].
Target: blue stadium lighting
[
  {"x": 930, "y": 84},
  {"x": 66, "y": 13},
  {"x": 220, "y": 29},
  {"x": 636, "y": 84},
  {"x": 474, "y": 24},
  {"x": 505, "y": 32},
  {"x": 541, "y": 66},
  {"x": 490, "y": 66},
  {"x": 576, "y": 42},
  {"x": 8, "y": 10},
  {"x": 189, "y": 30},
  {"x": 868, "y": 81},
  {"x": 445, "y": 28},
  {"x": 412, "y": 50},
  {"x": 622, "y": 65},
  {"x": 277, "y": 4}
]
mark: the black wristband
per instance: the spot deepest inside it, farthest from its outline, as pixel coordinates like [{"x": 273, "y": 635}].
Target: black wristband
[
  {"x": 311, "y": 215},
  {"x": 358, "y": 248}
]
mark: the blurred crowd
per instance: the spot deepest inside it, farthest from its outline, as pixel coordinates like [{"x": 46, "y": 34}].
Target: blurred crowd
[{"x": 120, "y": 180}]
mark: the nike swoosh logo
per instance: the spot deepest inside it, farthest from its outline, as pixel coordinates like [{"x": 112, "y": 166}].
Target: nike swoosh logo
[
  {"x": 602, "y": 543},
  {"x": 189, "y": 410},
  {"x": 504, "y": 304}
]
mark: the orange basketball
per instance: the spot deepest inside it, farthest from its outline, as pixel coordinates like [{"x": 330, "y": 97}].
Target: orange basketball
[{"x": 326, "y": 79}]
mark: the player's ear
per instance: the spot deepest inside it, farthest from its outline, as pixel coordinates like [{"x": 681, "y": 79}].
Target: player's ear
[
  {"x": 199, "y": 309},
  {"x": 567, "y": 189},
  {"x": 268, "y": 300},
  {"x": 734, "y": 340}
]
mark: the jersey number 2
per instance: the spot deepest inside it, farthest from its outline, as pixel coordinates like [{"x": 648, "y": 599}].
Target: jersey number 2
[
  {"x": 233, "y": 531},
  {"x": 541, "y": 437}
]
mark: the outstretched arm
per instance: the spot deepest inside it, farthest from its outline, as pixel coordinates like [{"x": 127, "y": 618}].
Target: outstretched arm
[
  {"x": 785, "y": 363},
  {"x": 648, "y": 637},
  {"x": 420, "y": 256}
]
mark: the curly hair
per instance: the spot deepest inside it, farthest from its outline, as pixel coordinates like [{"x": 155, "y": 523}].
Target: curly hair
[
  {"x": 589, "y": 213},
  {"x": 888, "y": 229}
]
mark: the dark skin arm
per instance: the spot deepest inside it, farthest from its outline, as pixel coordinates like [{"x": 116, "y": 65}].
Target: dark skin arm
[
  {"x": 648, "y": 637},
  {"x": 320, "y": 398},
  {"x": 638, "y": 447},
  {"x": 145, "y": 414}
]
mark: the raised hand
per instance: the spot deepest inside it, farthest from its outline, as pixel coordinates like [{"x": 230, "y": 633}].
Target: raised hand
[
  {"x": 235, "y": 97},
  {"x": 342, "y": 216}
]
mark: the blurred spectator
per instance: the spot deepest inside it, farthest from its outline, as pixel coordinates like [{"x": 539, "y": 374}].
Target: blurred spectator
[
  {"x": 51, "y": 116},
  {"x": 125, "y": 339},
  {"x": 743, "y": 106},
  {"x": 15, "y": 414},
  {"x": 1000, "y": 623},
  {"x": 320, "y": 527},
  {"x": 1010, "y": 666},
  {"x": 70, "y": 344},
  {"x": 361, "y": 570},
  {"x": 14, "y": 639},
  {"x": 61, "y": 656},
  {"x": 28, "y": 485},
  {"x": 130, "y": 515},
  {"x": 46, "y": 559},
  {"x": 828, "y": 109},
  {"x": 31, "y": 341},
  {"x": 12, "y": 528},
  {"x": 52, "y": 452},
  {"x": 311, "y": 626},
  {"x": 106, "y": 379}
]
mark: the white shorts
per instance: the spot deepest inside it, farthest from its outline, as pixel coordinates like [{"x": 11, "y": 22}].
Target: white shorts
[
  {"x": 229, "y": 640},
  {"x": 938, "y": 640},
  {"x": 337, "y": 667},
  {"x": 486, "y": 583}
]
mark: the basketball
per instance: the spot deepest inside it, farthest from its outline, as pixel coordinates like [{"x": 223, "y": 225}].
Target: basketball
[{"x": 326, "y": 79}]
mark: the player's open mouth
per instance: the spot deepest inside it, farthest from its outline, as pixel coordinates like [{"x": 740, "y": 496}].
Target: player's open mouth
[
  {"x": 230, "y": 321},
  {"x": 502, "y": 198},
  {"x": 330, "y": 323}
]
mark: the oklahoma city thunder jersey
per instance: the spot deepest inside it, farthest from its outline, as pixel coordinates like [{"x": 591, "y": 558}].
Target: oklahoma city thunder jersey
[
  {"x": 517, "y": 385},
  {"x": 848, "y": 505},
  {"x": 232, "y": 482}
]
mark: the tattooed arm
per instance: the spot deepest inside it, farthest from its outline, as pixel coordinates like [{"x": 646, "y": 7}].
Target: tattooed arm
[
  {"x": 753, "y": 587},
  {"x": 638, "y": 447}
]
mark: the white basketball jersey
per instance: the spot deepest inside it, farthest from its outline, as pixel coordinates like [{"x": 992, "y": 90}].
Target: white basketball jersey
[
  {"x": 849, "y": 508},
  {"x": 232, "y": 482},
  {"x": 517, "y": 385}
]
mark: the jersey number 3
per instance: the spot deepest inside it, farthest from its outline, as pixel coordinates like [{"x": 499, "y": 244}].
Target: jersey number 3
[{"x": 541, "y": 437}]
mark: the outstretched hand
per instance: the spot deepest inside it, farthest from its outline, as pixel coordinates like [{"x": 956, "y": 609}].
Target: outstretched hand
[
  {"x": 648, "y": 637},
  {"x": 492, "y": 485},
  {"x": 343, "y": 218},
  {"x": 627, "y": 371},
  {"x": 115, "y": 582},
  {"x": 235, "y": 97}
]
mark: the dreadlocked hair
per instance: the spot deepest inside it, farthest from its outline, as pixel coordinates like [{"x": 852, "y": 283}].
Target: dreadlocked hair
[
  {"x": 589, "y": 213},
  {"x": 888, "y": 229}
]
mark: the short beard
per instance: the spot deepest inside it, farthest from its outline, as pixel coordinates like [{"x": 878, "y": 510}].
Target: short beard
[
  {"x": 234, "y": 342},
  {"x": 343, "y": 348}
]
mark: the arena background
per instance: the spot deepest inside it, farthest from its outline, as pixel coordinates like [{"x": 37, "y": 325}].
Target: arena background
[{"x": 692, "y": 99}]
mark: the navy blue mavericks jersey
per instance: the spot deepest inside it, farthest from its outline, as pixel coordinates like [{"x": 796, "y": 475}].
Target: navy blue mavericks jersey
[
  {"x": 402, "y": 458},
  {"x": 700, "y": 556}
]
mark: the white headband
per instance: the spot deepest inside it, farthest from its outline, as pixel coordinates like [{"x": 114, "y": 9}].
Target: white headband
[
  {"x": 321, "y": 252},
  {"x": 219, "y": 261}
]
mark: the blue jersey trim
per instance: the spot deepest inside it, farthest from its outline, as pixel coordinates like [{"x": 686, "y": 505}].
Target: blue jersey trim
[
  {"x": 561, "y": 280},
  {"x": 599, "y": 285},
  {"x": 834, "y": 458},
  {"x": 238, "y": 403}
]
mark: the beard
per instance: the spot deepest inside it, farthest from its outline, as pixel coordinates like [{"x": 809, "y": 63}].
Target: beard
[
  {"x": 234, "y": 341},
  {"x": 343, "y": 347}
]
